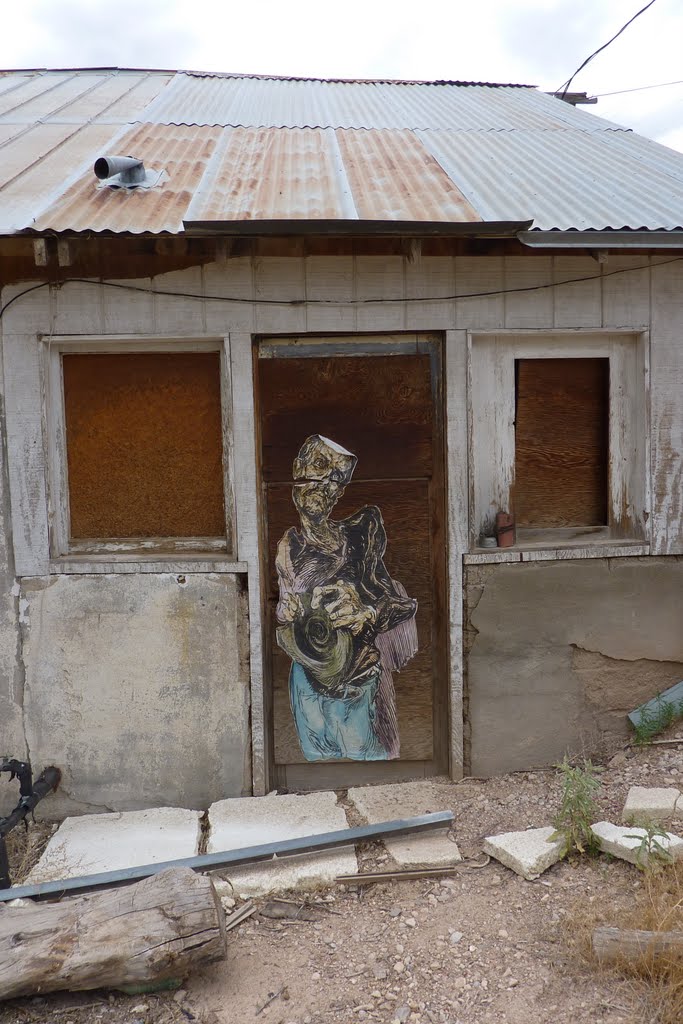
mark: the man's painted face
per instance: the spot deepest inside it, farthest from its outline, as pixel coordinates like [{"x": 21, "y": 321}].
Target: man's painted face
[
  {"x": 321, "y": 471},
  {"x": 317, "y": 498}
]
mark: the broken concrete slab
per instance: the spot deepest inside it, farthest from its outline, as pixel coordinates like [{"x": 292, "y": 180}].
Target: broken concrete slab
[
  {"x": 404, "y": 800},
  {"x": 528, "y": 853},
  {"x": 250, "y": 821},
  {"x": 109, "y": 842},
  {"x": 626, "y": 842},
  {"x": 650, "y": 804}
]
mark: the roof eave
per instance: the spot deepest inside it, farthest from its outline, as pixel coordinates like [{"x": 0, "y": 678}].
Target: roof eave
[
  {"x": 379, "y": 228},
  {"x": 611, "y": 239}
]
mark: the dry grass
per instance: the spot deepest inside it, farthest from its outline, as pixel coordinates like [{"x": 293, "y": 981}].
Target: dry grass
[
  {"x": 25, "y": 848},
  {"x": 656, "y": 907}
]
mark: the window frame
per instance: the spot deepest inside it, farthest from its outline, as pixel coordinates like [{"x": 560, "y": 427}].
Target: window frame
[
  {"x": 491, "y": 455},
  {"x": 102, "y": 554}
]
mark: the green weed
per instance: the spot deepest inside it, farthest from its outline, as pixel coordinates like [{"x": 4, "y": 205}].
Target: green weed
[{"x": 578, "y": 808}]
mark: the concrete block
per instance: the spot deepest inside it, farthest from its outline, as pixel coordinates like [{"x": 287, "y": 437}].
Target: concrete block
[
  {"x": 407, "y": 800},
  {"x": 110, "y": 842},
  {"x": 645, "y": 804},
  {"x": 624, "y": 841},
  {"x": 529, "y": 853},
  {"x": 250, "y": 821}
]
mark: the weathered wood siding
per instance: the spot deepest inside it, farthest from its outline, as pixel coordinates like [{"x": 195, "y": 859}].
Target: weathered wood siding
[{"x": 299, "y": 295}]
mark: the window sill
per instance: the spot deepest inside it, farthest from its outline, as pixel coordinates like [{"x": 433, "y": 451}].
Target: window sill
[
  {"x": 550, "y": 545},
  {"x": 202, "y": 562}
]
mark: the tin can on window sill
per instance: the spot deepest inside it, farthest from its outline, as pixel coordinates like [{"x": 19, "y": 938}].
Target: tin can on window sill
[{"x": 505, "y": 529}]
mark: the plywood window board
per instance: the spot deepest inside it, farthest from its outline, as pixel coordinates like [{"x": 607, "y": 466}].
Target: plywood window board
[
  {"x": 561, "y": 442},
  {"x": 559, "y": 436},
  {"x": 144, "y": 445}
]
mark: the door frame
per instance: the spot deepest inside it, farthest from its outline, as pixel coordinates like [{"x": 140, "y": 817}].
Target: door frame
[{"x": 447, "y": 707}]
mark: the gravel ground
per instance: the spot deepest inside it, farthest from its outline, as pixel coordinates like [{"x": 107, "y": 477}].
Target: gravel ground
[{"x": 481, "y": 945}]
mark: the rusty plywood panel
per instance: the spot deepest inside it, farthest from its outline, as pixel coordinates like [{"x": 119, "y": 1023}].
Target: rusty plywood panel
[
  {"x": 144, "y": 444},
  {"x": 561, "y": 442}
]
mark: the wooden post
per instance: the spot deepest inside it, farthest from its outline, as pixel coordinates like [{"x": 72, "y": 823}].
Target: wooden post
[
  {"x": 614, "y": 945},
  {"x": 137, "y": 938}
]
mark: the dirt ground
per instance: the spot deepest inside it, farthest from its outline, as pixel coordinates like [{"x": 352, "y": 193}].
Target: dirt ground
[{"x": 479, "y": 945}]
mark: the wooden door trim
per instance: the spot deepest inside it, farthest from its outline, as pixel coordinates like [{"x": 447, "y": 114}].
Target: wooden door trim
[{"x": 332, "y": 775}]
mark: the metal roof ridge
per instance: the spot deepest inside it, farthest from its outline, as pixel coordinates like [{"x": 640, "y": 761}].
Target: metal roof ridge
[{"x": 332, "y": 80}]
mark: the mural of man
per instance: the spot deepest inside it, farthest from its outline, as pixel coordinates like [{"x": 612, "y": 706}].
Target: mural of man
[{"x": 343, "y": 621}]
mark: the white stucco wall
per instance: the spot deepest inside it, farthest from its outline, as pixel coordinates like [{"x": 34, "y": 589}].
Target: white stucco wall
[{"x": 136, "y": 687}]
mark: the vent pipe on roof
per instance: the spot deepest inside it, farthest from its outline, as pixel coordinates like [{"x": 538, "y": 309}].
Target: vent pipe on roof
[{"x": 129, "y": 170}]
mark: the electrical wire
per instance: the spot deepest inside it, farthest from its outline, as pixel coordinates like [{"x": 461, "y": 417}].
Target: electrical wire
[
  {"x": 604, "y": 46},
  {"x": 328, "y": 302},
  {"x": 639, "y": 88}
]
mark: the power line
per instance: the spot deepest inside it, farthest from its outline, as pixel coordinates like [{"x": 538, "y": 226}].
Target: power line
[
  {"x": 603, "y": 47},
  {"x": 324, "y": 302},
  {"x": 639, "y": 88}
]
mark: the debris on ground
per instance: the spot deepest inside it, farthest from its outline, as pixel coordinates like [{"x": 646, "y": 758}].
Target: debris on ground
[
  {"x": 645, "y": 803},
  {"x": 470, "y": 947},
  {"x": 528, "y": 853},
  {"x": 638, "y": 846}
]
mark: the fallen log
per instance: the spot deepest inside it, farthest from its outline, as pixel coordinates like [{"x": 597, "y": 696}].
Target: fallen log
[
  {"x": 619, "y": 945},
  {"x": 145, "y": 936}
]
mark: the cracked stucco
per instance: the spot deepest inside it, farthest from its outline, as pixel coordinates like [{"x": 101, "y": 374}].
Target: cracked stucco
[{"x": 561, "y": 651}]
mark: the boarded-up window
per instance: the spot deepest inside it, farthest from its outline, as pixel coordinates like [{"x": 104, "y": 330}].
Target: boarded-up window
[
  {"x": 561, "y": 442},
  {"x": 144, "y": 444}
]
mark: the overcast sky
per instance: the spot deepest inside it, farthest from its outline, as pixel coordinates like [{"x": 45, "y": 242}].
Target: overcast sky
[{"x": 539, "y": 42}]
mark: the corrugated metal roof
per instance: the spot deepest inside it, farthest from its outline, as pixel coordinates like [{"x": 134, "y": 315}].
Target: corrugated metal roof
[
  {"x": 298, "y": 103},
  {"x": 256, "y": 148}
]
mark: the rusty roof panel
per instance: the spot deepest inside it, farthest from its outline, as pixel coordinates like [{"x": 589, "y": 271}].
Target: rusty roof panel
[
  {"x": 393, "y": 177},
  {"x": 46, "y": 180},
  {"x": 183, "y": 153},
  {"x": 413, "y": 152},
  {"x": 266, "y": 174}
]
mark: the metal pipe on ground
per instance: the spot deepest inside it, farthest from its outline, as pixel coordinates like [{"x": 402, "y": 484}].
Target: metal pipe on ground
[
  {"x": 232, "y": 858},
  {"x": 31, "y": 793}
]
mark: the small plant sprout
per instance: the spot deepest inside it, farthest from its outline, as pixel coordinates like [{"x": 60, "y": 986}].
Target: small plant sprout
[
  {"x": 651, "y": 853},
  {"x": 578, "y": 807}
]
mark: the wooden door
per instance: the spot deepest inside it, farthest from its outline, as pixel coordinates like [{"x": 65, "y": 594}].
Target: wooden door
[{"x": 382, "y": 402}]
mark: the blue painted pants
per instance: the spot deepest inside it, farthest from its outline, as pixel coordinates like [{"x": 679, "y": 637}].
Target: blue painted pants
[{"x": 334, "y": 727}]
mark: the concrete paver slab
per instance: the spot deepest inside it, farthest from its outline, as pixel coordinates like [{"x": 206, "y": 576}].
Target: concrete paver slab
[
  {"x": 250, "y": 821},
  {"x": 650, "y": 804},
  {"x": 625, "y": 842},
  {"x": 110, "y": 842},
  {"x": 407, "y": 800},
  {"x": 528, "y": 853}
]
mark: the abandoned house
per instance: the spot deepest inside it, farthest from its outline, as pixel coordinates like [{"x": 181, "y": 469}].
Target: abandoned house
[{"x": 342, "y": 431}]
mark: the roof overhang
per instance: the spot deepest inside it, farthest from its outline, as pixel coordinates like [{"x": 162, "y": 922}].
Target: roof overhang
[
  {"x": 602, "y": 239},
  {"x": 403, "y": 229}
]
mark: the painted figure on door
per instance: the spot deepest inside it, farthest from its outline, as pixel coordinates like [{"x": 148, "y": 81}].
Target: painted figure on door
[{"x": 344, "y": 622}]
